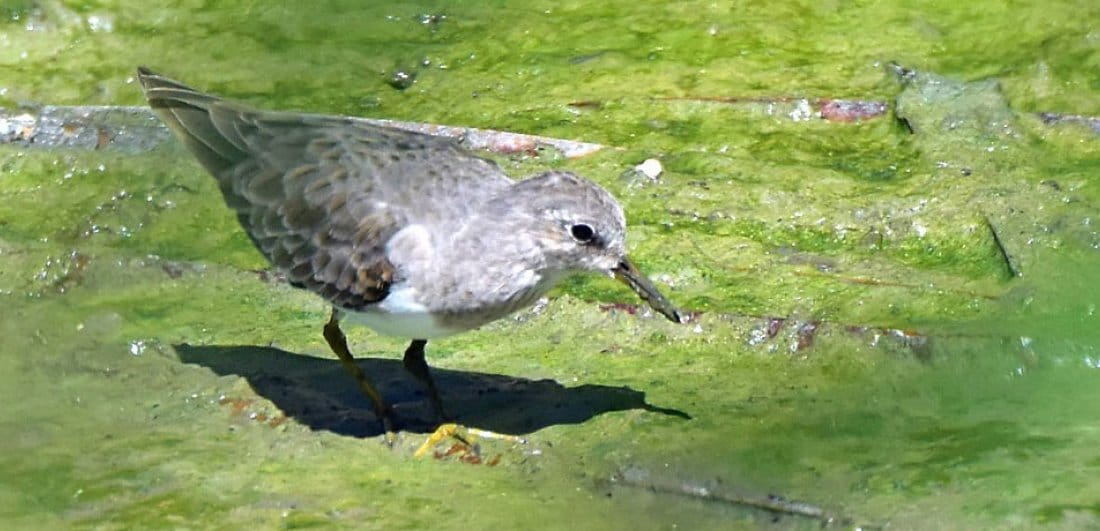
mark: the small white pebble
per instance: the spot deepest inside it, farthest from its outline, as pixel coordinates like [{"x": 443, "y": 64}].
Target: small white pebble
[
  {"x": 137, "y": 347},
  {"x": 100, "y": 23},
  {"x": 650, "y": 168}
]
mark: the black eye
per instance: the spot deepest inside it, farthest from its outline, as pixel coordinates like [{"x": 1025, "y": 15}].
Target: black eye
[{"x": 582, "y": 232}]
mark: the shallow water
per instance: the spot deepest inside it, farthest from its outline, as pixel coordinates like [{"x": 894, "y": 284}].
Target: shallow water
[{"x": 862, "y": 342}]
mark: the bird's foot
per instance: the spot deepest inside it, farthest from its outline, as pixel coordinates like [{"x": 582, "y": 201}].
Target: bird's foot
[
  {"x": 389, "y": 435},
  {"x": 465, "y": 446}
]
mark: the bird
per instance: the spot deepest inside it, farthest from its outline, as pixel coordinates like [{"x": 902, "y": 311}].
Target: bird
[{"x": 408, "y": 234}]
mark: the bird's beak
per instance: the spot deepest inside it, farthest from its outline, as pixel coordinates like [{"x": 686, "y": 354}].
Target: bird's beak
[{"x": 629, "y": 275}]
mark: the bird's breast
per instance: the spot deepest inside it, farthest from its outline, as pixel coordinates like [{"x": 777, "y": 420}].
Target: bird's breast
[{"x": 401, "y": 314}]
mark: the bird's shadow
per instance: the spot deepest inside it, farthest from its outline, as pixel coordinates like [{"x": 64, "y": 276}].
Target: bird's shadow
[{"x": 320, "y": 394}]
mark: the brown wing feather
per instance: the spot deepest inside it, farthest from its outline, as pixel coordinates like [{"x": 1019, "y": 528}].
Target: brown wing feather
[{"x": 297, "y": 190}]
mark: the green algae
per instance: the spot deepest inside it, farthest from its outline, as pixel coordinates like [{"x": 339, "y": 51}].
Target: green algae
[{"x": 147, "y": 357}]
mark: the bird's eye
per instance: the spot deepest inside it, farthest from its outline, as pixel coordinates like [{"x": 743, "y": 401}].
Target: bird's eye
[{"x": 582, "y": 232}]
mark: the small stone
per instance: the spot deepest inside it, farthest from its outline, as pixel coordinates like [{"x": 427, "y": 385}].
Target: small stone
[
  {"x": 650, "y": 168},
  {"x": 402, "y": 79}
]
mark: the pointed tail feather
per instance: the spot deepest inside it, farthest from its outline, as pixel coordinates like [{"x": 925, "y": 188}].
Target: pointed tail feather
[{"x": 205, "y": 123}]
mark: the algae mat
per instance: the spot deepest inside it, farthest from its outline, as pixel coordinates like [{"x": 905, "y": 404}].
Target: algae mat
[{"x": 882, "y": 218}]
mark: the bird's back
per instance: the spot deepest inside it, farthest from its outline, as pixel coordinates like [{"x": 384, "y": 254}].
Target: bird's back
[{"x": 321, "y": 196}]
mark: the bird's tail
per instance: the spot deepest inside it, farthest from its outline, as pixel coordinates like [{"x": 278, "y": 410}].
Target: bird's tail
[{"x": 208, "y": 125}]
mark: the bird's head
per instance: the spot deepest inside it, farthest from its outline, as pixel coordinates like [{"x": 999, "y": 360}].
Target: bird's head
[{"x": 578, "y": 226}]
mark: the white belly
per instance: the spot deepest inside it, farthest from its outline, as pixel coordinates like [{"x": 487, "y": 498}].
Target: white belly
[{"x": 399, "y": 315}]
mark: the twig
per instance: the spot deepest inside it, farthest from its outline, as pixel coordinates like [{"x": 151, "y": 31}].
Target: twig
[
  {"x": 1010, "y": 265},
  {"x": 773, "y": 504}
]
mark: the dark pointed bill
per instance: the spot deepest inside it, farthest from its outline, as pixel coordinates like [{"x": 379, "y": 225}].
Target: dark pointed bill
[{"x": 629, "y": 275}]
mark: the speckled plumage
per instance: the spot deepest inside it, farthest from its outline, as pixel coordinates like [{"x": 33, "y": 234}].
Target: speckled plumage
[{"x": 412, "y": 234}]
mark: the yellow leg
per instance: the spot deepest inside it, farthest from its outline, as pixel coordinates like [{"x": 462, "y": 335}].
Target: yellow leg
[{"x": 339, "y": 344}]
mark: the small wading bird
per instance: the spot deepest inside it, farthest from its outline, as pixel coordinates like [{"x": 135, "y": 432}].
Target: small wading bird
[{"x": 405, "y": 233}]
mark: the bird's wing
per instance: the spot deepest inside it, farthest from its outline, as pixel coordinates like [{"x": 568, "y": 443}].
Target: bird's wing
[{"x": 317, "y": 194}]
